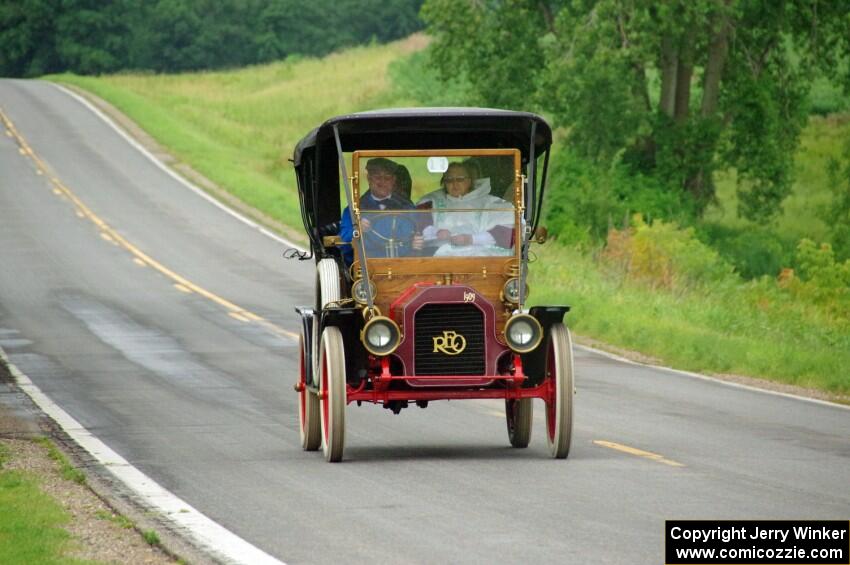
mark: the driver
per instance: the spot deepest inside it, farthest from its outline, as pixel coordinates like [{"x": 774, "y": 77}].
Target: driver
[{"x": 384, "y": 235}]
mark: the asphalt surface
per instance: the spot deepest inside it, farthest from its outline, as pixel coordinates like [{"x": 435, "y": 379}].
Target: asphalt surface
[{"x": 201, "y": 399}]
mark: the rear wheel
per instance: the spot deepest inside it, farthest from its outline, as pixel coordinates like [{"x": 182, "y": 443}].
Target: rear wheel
[
  {"x": 332, "y": 393},
  {"x": 559, "y": 406},
  {"x": 519, "y": 414},
  {"x": 308, "y": 409}
]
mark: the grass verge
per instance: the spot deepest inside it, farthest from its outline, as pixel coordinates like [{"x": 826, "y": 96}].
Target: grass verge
[
  {"x": 68, "y": 471},
  {"x": 151, "y": 537},
  {"x": 31, "y": 522},
  {"x": 737, "y": 328},
  {"x": 120, "y": 521}
]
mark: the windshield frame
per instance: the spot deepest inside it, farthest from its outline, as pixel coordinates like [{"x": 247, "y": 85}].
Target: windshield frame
[{"x": 518, "y": 196}]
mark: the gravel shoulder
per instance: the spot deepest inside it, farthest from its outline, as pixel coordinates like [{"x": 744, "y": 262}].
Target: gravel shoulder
[
  {"x": 105, "y": 524},
  {"x": 98, "y": 532}
]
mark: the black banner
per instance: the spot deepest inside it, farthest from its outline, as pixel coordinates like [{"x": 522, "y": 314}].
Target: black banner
[{"x": 757, "y": 542}]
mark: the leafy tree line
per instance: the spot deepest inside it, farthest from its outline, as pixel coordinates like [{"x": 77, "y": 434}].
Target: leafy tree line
[
  {"x": 100, "y": 36},
  {"x": 662, "y": 93}
]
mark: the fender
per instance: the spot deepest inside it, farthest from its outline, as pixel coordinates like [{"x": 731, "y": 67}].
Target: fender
[
  {"x": 349, "y": 321},
  {"x": 308, "y": 323},
  {"x": 534, "y": 362}
]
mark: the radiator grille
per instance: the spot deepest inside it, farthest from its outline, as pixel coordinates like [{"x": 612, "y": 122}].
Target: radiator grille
[{"x": 432, "y": 321}]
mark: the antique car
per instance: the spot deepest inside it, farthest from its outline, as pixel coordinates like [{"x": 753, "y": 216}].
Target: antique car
[{"x": 420, "y": 223}]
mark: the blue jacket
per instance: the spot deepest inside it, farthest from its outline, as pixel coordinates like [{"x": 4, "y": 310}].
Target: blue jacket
[{"x": 400, "y": 227}]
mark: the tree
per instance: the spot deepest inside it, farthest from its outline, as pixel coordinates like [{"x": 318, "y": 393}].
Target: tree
[
  {"x": 673, "y": 89},
  {"x": 91, "y": 35},
  {"x": 837, "y": 215},
  {"x": 27, "y": 37},
  {"x": 96, "y": 36},
  {"x": 495, "y": 45}
]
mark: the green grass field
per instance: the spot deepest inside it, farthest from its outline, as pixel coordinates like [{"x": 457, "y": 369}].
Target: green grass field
[
  {"x": 732, "y": 327},
  {"x": 31, "y": 523},
  {"x": 239, "y": 128}
]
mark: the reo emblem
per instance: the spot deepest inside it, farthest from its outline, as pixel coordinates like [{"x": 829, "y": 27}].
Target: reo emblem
[{"x": 450, "y": 343}]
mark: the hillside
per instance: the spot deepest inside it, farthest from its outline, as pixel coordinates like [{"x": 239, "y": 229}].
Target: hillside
[{"x": 238, "y": 128}]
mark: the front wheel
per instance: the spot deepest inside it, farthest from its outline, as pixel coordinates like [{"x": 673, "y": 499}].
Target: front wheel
[
  {"x": 519, "y": 414},
  {"x": 559, "y": 406},
  {"x": 332, "y": 393}
]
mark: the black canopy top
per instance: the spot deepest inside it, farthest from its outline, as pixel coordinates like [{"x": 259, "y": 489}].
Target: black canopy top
[
  {"x": 431, "y": 128},
  {"x": 317, "y": 162}
]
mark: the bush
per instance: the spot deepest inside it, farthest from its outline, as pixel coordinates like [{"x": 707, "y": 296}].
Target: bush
[
  {"x": 754, "y": 251},
  {"x": 663, "y": 255},
  {"x": 584, "y": 200},
  {"x": 838, "y": 213},
  {"x": 825, "y": 98},
  {"x": 819, "y": 278},
  {"x": 578, "y": 208}
]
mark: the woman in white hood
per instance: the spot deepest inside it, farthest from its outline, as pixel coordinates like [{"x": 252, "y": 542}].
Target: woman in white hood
[{"x": 466, "y": 219}]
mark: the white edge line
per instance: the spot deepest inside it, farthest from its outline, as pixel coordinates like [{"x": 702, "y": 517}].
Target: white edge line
[
  {"x": 194, "y": 188},
  {"x": 192, "y": 524},
  {"x": 711, "y": 379}
]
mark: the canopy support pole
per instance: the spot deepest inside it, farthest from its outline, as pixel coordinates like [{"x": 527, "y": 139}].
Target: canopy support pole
[
  {"x": 356, "y": 239},
  {"x": 526, "y": 228}
]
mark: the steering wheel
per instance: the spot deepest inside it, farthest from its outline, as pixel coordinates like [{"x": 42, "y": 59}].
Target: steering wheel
[{"x": 400, "y": 223}]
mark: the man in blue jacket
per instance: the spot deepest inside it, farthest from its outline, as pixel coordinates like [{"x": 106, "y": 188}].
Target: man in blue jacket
[{"x": 384, "y": 235}]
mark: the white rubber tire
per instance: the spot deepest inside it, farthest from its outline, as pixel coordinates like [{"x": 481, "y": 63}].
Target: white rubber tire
[
  {"x": 329, "y": 288},
  {"x": 309, "y": 411},
  {"x": 332, "y": 394},
  {"x": 559, "y": 410}
]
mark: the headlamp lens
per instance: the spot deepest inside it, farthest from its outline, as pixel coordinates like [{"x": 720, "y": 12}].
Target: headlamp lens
[
  {"x": 521, "y": 332},
  {"x": 379, "y": 335}
]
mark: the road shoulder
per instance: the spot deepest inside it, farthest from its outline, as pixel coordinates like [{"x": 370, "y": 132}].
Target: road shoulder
[{"x": 106, "y": 524}]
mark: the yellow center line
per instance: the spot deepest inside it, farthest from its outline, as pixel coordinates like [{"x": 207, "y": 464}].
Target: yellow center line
[
  {"x": 638, "y": 452},
  {"x": 238, "y": 316},
  {"x": 107, "y": 230}
]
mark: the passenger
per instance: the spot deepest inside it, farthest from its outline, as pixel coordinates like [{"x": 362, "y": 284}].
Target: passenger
[
  {"x": 485, "y": 229},
  {"x": 384, "y": 235}
]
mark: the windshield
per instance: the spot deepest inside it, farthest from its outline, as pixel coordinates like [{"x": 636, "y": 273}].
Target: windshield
[{"x": 437, "y": 205}]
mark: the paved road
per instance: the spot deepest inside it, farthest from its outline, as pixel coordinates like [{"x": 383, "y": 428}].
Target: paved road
[{"x": 199, "y": 397}]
